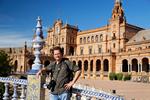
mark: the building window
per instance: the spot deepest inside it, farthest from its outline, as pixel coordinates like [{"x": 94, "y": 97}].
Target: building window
[
  {"x": 96, "y": 38},
  {"x": 81, "y": 51},
  {"x": 80, "y": 40},
  {"x": 92, "y": 39},
  {"x": 114, "y": 36},
  {"x": 88, "y": 39},
  {"x": 100, "y": 49},
  {"x": 101, "y": 37},
  {"x": 90, "y": 50},
  {"x": 129, "y": 49},
  {"x": 114, "y": 45},
  {"x": 84, "y": 40}
]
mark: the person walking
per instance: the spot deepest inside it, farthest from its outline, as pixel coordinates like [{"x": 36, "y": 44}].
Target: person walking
[{"x": 62, "y": 78}]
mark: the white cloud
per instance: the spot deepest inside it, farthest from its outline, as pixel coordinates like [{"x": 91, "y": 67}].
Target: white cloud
[{"x": 14, "y": 39}]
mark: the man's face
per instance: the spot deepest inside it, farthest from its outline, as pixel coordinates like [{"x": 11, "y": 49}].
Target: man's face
[{"x": 57, "y": 55}]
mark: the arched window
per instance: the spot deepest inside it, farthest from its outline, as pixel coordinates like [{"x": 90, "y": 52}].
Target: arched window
[
  {"x": 96, "y": 38},
  {"x": 81, "y": 51},
  {"x": 92, "y": 39},
  {"x": 84, "y": 39},
  {"x": 125, "y": 65},
  {"x": 80, "y": 40},
  {"x": 88, "y": 39},
  {"x": 101, "y": 37}
]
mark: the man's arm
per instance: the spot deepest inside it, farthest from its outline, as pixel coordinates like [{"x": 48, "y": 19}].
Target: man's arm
[
  {"x": 47, "y": 68},
  {"x": 40, "y": 72},
  {"x": 71, "y": 83}
]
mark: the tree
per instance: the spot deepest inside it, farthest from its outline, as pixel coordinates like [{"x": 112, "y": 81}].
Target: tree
[
  {"x": 5, "y": 68},
  {"x": 5, "y": 64}
]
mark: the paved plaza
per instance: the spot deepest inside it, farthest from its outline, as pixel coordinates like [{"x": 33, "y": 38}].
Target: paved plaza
[{"x": 130, "y": 90}]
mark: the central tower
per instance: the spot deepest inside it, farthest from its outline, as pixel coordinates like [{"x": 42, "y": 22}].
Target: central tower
[{"x": 116, "y": 28}]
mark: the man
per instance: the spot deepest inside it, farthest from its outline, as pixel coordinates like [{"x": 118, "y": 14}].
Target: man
[{"x": 61, "y": 75}]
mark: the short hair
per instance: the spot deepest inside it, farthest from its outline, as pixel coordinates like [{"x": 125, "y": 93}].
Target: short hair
[{"x": 58, "y": 48}]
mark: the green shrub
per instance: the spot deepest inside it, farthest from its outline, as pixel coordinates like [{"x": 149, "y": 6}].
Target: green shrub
[
  {"x": 2, "y": 89},
  {"x": 127, "y": 77},
  {"x": 112, "y": 76},
  {"x": 119, "y": 76}
]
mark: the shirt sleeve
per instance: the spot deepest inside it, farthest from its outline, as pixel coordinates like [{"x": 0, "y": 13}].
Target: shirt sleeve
[
  {"x": 50, "y": 66},
  {"x": 73, "y": 66}
]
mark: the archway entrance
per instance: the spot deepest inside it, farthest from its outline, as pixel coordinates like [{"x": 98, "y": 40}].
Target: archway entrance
[
  {"x": 98, "y": 65},
  {"x": 85, "y": 65},
  {"x": 145, "y": 65},
  {"x": 135, "y": 65},
  {"x": 106, "y": 65},
  {"x": 125, "y": 65},
  {"x": 80, "y": 64}
]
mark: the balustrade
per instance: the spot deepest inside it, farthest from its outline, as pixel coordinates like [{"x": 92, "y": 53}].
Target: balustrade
[
  {"x": 79, "y": 91},
  {"x": 16, "y": 83}
]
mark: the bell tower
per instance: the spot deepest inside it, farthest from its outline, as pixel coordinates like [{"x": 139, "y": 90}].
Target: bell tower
[
  {"x": 118, "y": 12},
  {"x": 116, "y": 29}
]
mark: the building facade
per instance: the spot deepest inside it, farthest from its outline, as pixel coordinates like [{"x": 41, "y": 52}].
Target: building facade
[{"x": 115, "y": 47}]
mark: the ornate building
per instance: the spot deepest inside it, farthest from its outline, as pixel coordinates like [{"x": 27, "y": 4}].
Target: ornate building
[{"x": 116, "y": 47}]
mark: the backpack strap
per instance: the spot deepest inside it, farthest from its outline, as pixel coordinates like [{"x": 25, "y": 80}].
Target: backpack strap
[
  {"x": 69, "y": 70},
  {"x": 53, "y": 69}
]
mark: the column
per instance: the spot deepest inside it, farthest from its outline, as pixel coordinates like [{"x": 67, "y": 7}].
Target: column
[
  {"x": 88, "y": 72},
  {"x": 82, "y": 70},
  {"x": 110, "y": 65},
  {"x": 149, "y": 68},
  {"x": 35, "y": 90},
  {"x": 6, "y": 94},
  {"x": 120, "y": 67},
  {"x": 141, "y": 68},
  {"x": 94, "y": 68},
  {"x": 131, "y": 67},
  {"x": 128, "y": 68},
  {"x": 138, "y": 68},
  {"x": 102, "y": 70}
]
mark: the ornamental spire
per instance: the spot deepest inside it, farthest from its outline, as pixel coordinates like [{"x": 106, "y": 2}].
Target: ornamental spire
[{"x": 118, "y": 1}]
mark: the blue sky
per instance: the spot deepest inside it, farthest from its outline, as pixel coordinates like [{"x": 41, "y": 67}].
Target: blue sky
[{"x": 18, "y": 17}]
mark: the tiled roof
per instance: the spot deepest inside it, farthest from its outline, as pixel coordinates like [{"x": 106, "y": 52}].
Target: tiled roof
[{"x": 143, "y": 35}]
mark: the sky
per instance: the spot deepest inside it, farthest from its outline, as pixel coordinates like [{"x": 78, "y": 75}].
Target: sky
[{"x": 18, "y": 17}]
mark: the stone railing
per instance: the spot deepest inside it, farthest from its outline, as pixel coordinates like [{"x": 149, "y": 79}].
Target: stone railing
[
  {"x": 141, "y": 78},
  {"x": 80, "y": 92},
  {"x": 17, "y": 86}
]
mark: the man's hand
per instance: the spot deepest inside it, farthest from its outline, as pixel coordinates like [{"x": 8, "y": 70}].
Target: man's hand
[
  {"x": 69, "y": 85},
  {"x": 38, "y": 74}
]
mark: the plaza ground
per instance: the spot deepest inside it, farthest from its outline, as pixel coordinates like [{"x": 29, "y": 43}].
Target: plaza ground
[{"x": 129, "y": 90}]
